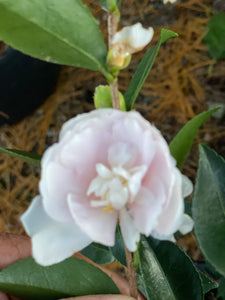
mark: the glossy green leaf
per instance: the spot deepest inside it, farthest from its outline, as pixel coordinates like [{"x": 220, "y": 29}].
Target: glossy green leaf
[
  {"x": 63, "y": 32},
  {"x": 207, "y": 283},
  {"x": 141, "y": 284},
  {"x": 118, "y": 250},
  {"x": 208, "y": 207},
  {"x": 168, "y": 272},
  {"x": 144, "y": 68},
  {"x": 72, "y": 277},
  {"x": 29, "y": 157},
  {"x": 221, "y": 289},
  {"x": 98, "y": 253},
  {"x": 181, "y": 144},
  {"x": 215, "y": 36}
]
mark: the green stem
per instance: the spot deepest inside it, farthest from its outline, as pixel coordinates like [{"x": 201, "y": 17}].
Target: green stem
[
  {"x": 112, "y": 29},
  {"x": 131, "y": 274}
]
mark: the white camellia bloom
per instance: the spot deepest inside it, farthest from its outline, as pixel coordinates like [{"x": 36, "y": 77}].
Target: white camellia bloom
[
  {"x": 109, "y": 166},
  {"x": 129, "y": 40}
]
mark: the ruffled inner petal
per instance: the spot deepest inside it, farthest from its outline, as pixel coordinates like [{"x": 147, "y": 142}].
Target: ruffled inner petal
[
  {"x": 147, "y": 208},
  {"x": 130, "y": 132},
  {"x": 83, "y": 152},
  {"x": 96, "y": 223},
  {"x": 122, "y": 155}
]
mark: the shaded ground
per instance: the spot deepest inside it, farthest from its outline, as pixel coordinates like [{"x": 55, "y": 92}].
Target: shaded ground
[{"x": 178, "y": 88}]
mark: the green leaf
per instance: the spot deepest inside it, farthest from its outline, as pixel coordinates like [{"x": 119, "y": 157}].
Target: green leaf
[
  {"x": 221, "y": 290},
  {"x": 144, "y": 68},
  {"x": 98, "y": 253},
  {"x": 141, "y": 284},
  {"x": 29, "y": 157},
  {"x": 215, "y": 36},
  {"x": 72, "y": 277},
  {"x": 63, "y": 32},
  {"x": 168, "y": 272},
  {"x": 207, "y": 283},
  {"x": 118, "y": 250},
  {"x": 181, "y": 144},
  {"x": 208, "y": 207}
]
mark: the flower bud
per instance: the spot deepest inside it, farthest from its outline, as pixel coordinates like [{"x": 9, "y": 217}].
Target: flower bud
[
  {"x": 127, "y": 41},
  {"x": 169, "y": 1},
  {"x": 103, "y": 98}
]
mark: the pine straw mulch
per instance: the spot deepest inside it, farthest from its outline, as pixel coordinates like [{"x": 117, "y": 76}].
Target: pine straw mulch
[{"x": 175, "y": 92}]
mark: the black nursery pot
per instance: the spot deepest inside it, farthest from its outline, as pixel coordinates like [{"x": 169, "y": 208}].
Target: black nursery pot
[{"x": 25, "y": 83}]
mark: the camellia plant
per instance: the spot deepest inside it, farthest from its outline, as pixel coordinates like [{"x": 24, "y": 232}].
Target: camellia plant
[{"x": 111, "y": 188}]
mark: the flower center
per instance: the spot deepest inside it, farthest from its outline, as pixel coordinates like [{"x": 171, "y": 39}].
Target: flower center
[{"x": 115, "y": 188}]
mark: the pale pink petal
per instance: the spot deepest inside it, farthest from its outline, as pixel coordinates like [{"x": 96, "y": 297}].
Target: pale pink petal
[
  {"x": 121, "y": 154},
  {"x": 147, "y": 208},
  {"x": 130, "y": 234},
  {"x": 52, "y": 241},
  {"x": 129, "y": 131},
  {"x": 56, "y": 182},
  {"x": 83, "y": 152},
  {"x": 186, "y": 225},
  {"x": 136, "y": 179},
  {"x": 51, "y": 154},
  {"x": 161, "y": 237},
  {"x": 144, "y": 124},
  {"x": 97, "y": 224},
  {"x": 187, "y": 186},
  {"x": 157, "y": 188},
  {"x": 171, "y": 216},
  {"x": 94, "y": 119},
  {"x": 161, "y": 167}
]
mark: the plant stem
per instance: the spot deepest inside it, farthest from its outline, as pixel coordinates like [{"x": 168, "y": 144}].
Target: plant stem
[
  {"x": 112, "y": 29},
  {"x": 130, "y": 270},
  {"x": 131, "y": 274}
]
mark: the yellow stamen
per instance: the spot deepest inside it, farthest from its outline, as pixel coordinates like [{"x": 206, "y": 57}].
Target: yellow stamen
[{"x": 108, "y": 208}]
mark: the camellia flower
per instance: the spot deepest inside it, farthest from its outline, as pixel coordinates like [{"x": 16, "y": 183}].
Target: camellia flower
[
  {"x": 129, "y": 40},
  {"x": 108, "y": 167}
]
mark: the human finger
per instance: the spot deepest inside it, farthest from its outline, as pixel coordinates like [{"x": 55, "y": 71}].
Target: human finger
[
  {"x": 119, "y": 281},
  {"x": 13, "y": 248}
]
